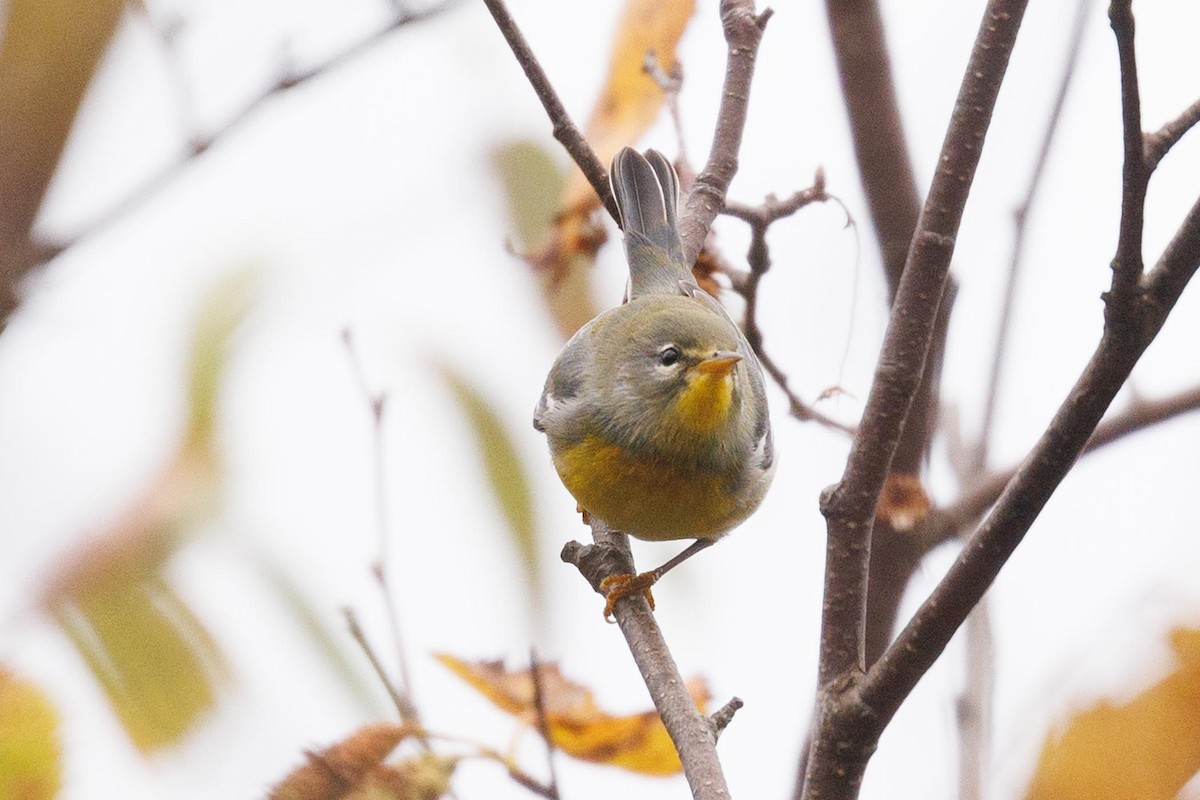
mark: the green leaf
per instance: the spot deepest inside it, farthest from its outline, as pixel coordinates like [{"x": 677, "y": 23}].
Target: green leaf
[
  {"x": 30, "y": 758},
  {"x": 532, "y": 183},
  {"x": 220, "y": 315},
  {"x": 155, "y": 661},
  {"x": 505, "y": 473}
]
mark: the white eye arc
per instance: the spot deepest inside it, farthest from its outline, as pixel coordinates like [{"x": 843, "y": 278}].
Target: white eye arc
[{"x": 668, "y": 355}]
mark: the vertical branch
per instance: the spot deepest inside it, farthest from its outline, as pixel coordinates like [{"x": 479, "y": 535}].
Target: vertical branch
[
  {"x": 975, "y": 706},
  {"x": 1127, "y": 264},
  {"x": 880, "y": 146},
  {"x": 845, "y": 735},
  {"x": 743, "y": 33}
]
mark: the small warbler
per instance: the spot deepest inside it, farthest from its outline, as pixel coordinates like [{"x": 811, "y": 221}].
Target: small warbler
[{"x": 655, "y": 411}]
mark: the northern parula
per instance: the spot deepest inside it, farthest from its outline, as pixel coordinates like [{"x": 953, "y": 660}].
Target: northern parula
[{"x": 655, "y": 411}]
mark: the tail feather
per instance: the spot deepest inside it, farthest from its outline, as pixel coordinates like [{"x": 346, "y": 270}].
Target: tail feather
[{"x": 647, "y": 193}]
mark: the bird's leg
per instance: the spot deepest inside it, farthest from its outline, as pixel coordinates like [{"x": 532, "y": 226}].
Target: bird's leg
[{"x": 617, "y": 586}]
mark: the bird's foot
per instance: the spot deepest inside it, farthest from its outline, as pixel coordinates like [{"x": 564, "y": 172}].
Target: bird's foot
[{"x": 617, "y": 586}]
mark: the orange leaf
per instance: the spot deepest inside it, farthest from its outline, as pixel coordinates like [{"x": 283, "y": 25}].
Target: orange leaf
[
  {"x": 576, "y": 725},
  {"x": 1147, "y": 748}
]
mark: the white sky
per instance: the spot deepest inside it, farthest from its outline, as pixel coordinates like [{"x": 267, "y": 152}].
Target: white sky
[{"x": 364, "y": 198}]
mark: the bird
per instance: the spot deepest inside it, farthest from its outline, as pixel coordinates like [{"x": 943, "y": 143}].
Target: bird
[{"x": 655, "y": 411}]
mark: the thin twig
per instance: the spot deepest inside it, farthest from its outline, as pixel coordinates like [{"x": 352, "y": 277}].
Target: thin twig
[
  {"x": 377, "y": 403},
  {"x": 539, "y": 705},
  {"x": 1020, "y": 225},
  {"x": 847, "y": 728},
  {"x": 671, "y": 84},
  {"x": 403, "y": 706},
  {"x": 975, "y": 705},
  {"x": 743, "y": 33},
  {"x": 760, "y": 218},
  {"x": 694, "y": 738},
  {"x": 565, "y": 131},
  {"x": 199, "y": 144},
  {"x": 946, "y": 523},
  {"x": 720, "y": 719},
  {"x": 1159, "y": 143}
]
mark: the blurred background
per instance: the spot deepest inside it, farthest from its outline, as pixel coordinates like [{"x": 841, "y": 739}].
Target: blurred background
[{"x": 189, "y": 467}]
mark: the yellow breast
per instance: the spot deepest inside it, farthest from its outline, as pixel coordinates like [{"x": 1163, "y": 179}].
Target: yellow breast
[{"x": 648, "y": 498}]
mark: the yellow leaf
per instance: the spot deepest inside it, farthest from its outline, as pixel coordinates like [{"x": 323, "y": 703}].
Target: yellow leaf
[
  {"x": 1147, "y": 748},
  {"x": 576, "y": 725},
  {"x": 29, "y": 749}
]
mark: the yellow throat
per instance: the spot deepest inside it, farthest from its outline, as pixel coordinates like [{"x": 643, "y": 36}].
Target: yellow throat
[{"x": 705, "y": 400}]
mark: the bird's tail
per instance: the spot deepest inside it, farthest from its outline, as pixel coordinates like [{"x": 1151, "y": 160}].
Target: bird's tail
[{"x": 647, "y": 193}]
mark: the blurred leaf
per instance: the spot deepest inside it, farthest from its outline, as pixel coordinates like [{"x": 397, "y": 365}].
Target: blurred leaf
[
  {"x": 577, "y": 726},
  {"x": 30, "y": 766},
  {"x": 630, "y": 100},
  {"x": 1147, "y": 748},
  {"x": 219, "y": 317},
  {"x": 354, "y": 769},
  {"x": 157, "y": 664},
  {"x": 532, "y": 183},
  {"x": 311, "y": 622},
  {"x": 903, "y": 502},
  {"x": 154, "y": 659},
  {"x": 505, "y": 474}
]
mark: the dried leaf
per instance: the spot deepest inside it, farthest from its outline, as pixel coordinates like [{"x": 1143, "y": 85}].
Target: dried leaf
[
  {"x": 903, "y": 502},
  {"x": 505, "y": 473},
  {"x": 30, "y": 758},
  {"x": 354, "y": 769},
  {"x": 636, "y": 742},
  {"x": 1147, "y": 748},
  {"x": 630, "y": 100},
  {"x": 627, "y": 106}
]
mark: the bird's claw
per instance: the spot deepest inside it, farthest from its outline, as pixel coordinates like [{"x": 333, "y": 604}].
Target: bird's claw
[{"x": 617, "y": 586}]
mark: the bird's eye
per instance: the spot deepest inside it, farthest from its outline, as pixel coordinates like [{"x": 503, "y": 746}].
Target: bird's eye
[{"x": 668, "y": 356}]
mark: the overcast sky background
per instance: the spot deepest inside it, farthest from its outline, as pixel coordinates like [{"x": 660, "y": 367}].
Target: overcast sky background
[{"x": 365, "y": 199}]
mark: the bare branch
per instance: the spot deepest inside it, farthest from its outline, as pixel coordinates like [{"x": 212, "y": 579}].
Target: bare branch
[
  {"x": 695, "y": 739},
  {"x": 1159, "y": 143},
  {"x": 880, "y": 146},
  {"x": 1127, "y": 264},
  {"x": 743, "y": 33},
  {"x": 1020, "y": 221},
  {"x": 947, "y": 523},
  {"x": 565, "y": 131},
  {"x": 847, "y": 728},
  {"x": 759, "y": 218},
  {"x": 916, "y": 648},
  {"x": 199, "y": 144}
]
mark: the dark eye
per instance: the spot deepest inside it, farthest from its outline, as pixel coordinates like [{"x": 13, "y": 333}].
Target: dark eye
[{"x": 668, "y": 356}]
